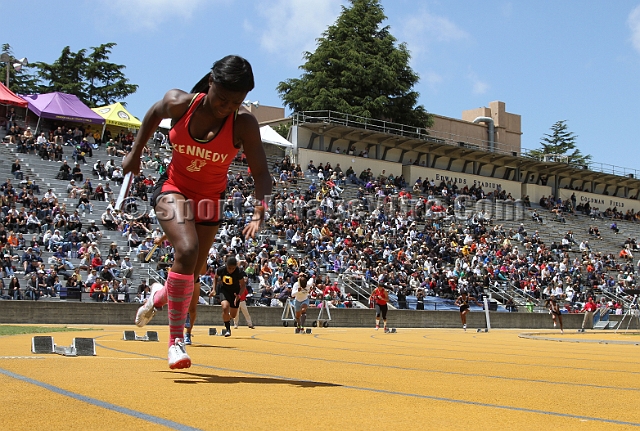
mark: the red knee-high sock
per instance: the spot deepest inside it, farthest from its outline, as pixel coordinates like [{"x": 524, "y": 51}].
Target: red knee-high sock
[
  {"x": 179, "y": 289},
  {"x": 160, "y": 298}
]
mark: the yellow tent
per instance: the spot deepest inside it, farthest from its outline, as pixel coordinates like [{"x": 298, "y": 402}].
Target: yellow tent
[{"x": 116, "y": 115}]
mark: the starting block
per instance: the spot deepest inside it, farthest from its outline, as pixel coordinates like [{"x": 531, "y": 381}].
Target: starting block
[
  {"x": 390, "y": 331},
  {"x": 482, "y": 330},
  {"x": 79, "y": 346},
  {"x": 149, "y": 336},
  {"x": 214, "y": 331},
  {"x": 303, "y": 331},
  {"x": 42, "y": 344}
]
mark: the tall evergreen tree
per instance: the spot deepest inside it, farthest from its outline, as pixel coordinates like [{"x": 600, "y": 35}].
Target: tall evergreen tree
[
  {"x": 106, "y": 83},
  {"x": 561, "y": 142},
  {"x": 20, "y": 81},
  {"x": 358, "y": 69},
  {"x": 66, "y": 74},
  {"x": 91, "y": 77}
]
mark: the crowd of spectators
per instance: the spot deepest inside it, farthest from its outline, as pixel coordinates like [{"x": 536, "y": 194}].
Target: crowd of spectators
[{"x": 407, "y": 237}]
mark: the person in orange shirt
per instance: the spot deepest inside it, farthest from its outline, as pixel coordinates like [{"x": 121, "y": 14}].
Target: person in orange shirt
[
  {"x": 12, "y": 239},
  {"x": 380, "y": 297}
]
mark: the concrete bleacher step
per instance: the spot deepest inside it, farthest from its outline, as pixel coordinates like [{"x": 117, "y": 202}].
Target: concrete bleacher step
[{"x": 43, "y": 172}]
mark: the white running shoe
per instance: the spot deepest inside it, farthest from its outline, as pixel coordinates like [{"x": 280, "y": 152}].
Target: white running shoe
[
  {"x": 146, "y": 311},
  {"x": 178, "y": 357}
]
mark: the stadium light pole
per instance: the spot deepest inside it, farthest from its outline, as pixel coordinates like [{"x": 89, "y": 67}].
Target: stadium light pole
[{"x": 6, "y": 59}]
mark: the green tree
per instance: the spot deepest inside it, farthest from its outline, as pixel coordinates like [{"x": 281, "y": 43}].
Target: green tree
[
  {"x": 66, "y": 74},
  {"x": 561, "y": 142},
  {"x": 91, "y": 77},
  {"x": 20, "y": 81},
  {"x": 283, "y": 130},
  {"x": 358, "y": 69},
  {"x": 106, "y": 83}
]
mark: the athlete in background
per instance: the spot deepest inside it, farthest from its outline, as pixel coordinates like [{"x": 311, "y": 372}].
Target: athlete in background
[
  {"x": 463, "y": 303},
  {"x": 380, "y": 298}
]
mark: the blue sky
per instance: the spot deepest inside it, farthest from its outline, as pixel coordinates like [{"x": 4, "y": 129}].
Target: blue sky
[{"x": 547, "y": 60}]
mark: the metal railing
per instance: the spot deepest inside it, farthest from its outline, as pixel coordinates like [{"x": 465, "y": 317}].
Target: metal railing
[
  {"x": 357, "y": 285},
  {"x": 430, "y": 135},
  {"x": 604, "y": 168},
  {"x": 380, "y": 126}
]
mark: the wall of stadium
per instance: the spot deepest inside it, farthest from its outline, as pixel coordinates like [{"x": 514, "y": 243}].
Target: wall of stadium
[
  {"x": 488, "y": 184},
  {"x": 600, "y": 201},
  {"x": 93, "y": 313},
  {"x": 359, "y": 164},
  {"x": 536, "y": 192}
]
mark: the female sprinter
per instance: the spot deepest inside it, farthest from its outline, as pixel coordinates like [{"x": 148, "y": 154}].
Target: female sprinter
[
  {"x": 210, "y": 125},
  {"x": 463, "y": 303},
  {"x": 554, "y": 310}
]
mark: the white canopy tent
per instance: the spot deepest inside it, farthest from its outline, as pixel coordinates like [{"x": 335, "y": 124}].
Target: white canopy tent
[
  {"x": 270, "y": 136},
  {"x": 165, "y": 124}
]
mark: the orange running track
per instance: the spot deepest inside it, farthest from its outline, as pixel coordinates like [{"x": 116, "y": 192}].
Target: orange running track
[{"x": 336, "y": 378}]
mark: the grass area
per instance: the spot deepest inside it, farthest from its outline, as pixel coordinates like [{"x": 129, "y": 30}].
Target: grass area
[{"x": 17, "y": 330}]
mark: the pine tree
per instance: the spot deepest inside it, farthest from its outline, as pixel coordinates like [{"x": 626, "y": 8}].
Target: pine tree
[
  {"x": 358, "y": 69},
  {"x": 561, "y": 142},
  {"x": 106, "y": 83},
  {"x": 91, "y": 77},
  {"x": 66, "y": 74}
]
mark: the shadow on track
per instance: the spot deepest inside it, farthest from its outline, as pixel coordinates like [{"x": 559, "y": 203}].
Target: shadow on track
[{"x": 195, "y": 378}]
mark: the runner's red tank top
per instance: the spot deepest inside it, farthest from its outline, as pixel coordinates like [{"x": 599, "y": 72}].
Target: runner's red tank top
[{"x": 200, "y": 168}]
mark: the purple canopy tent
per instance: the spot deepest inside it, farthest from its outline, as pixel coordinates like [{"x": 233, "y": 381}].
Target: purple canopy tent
[{"x": 61, "y": 106}]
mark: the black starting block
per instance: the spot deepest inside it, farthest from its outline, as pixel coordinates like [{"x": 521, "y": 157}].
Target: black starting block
[
  {"x": 303, "y": 330},
  {"x": 84, "y": 346},
  {"x": 149, "y": 336},
  {"x": 214, "y": 331},
  {"x": 79, "y": 346},
  {"x": 41, "y": 344},
  {"x": 482, "y": 330},
  {"x": 390, "y": 330}
]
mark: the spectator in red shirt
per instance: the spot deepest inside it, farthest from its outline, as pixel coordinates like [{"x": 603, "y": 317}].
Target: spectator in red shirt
[
  {"x": 96, "y": 263},
  {"x": 96, "y": 291}
]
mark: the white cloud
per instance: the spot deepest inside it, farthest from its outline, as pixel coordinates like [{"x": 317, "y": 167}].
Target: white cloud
[
  {"x": 478, "y": 86},
  {"x": 423, "y": 29},
  {"x": 291, "y": 27},
  {"x": 151, "y": 14},
  {"x": 432, "y": 79},
  {"x": 634, "y": 24}
]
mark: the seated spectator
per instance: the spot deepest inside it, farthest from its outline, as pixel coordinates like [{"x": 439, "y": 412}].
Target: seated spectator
[
  {"x": 614, "y": 228},
  {"x": 64, "y": 173},
  {"x": 126, "y": 267},
  {"x": 16, "y": 170},
  {"x": 76, "y": 173},
  {"x": 99, "y": 194},
  {"x": 108, "y": 220},
  {"x": 97, "y": 291},
  {"x": 93, "y": 232}
]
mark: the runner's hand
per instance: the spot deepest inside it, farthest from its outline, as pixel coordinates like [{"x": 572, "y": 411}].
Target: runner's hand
[
  {"x": 253, "y": 227},
  {"x": 131, "y": 163}
]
